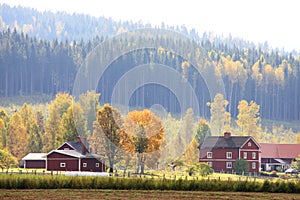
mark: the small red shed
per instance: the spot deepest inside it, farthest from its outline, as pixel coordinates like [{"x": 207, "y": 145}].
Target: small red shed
[{"x": 35, "y": 160}]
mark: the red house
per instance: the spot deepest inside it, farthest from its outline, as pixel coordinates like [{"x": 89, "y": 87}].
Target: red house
[
  {"x": 220, "y": 152},
  {"x": 74, "y": 156},
  {"x": 278, "y": 156}
]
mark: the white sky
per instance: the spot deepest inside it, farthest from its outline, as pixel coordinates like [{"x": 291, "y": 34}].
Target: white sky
[{"x": 274, "y": 21}]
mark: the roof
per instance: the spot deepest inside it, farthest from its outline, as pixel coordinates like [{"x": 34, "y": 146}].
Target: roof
[
  {"x": 35, "y": 156},
  {"x": 76, "y": 146},
  {"x": 74, "y": 153},
  {"x": 220, "y": 142},
  {"x": 269, "y": 150}
]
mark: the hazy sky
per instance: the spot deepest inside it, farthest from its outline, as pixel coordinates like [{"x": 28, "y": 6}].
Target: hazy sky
[{"x": 274, "y": 21}]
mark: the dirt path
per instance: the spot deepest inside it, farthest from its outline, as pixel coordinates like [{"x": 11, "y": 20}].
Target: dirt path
[{"x": 66, "y": 194}]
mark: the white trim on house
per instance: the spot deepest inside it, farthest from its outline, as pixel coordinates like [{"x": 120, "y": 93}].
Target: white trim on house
[
  {"x": 209, "y": 153},
  {"x": 209, "y": 164},
  {"x": 250, "y": 150},
  {"x": 216, "y": 159},
  {"x": 229, "y": 154},
  {"x": 228, "y": 165},
  {"x": 79, "y": 164}
]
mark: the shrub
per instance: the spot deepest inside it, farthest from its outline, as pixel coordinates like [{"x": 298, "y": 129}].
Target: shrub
[
  {"x": 8, "y": 181},
  {"x": 241, "y": 166}
]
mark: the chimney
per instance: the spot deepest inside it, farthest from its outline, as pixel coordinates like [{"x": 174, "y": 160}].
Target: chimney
[
  {"x": 78, "y": 139},
  {"x": 227, "y": 135},
  {"x": 84, "y": 150}
]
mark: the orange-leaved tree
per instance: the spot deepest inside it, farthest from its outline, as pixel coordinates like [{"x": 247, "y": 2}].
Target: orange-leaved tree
[{"x": 145, "y": 135}]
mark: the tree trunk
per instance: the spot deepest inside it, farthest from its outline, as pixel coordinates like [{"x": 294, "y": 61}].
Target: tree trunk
[
  {"x": 111, "y": 166},
  {"x": 143, "y": 159},
  {"x": 138, "y": 163}
]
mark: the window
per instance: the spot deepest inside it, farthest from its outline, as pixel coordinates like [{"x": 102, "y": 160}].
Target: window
[
  {"x": 66, "y": 148},
  {"x": 209, "y": 164},
  {"x": 253, "y": 165},
  {"x": 229, "y": 165},
  {"x": 209, "y": 154},
  {"x": 97, "y": 165},
  {"x": 84, "y": 165},
  {"x": 62, "y": 164},
  {"x": 228, "y": 154},
  {"x": 249, "y": 144},
  {"x": 253, "y": 155},
  {"x": 245, "y": 155}
]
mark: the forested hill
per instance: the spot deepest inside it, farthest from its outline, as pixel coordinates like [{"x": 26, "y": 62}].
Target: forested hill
[
  {"x": 40, "y": 53},
  {"x": 60, "y": 25}
]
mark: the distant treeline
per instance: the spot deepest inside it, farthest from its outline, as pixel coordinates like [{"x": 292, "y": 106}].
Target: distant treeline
[{"x": 32, "y": 65}]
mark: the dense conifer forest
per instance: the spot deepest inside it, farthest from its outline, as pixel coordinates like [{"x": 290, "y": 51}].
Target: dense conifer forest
[{"x": 40, "y": 53}]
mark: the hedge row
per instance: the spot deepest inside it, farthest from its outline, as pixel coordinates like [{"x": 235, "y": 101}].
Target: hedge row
[{"x": 60, "y": 182}]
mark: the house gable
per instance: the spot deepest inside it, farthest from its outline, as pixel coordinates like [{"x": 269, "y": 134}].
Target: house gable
[
  {"x": 250, "y": 144},
  {"x": 66, "y": 146}
]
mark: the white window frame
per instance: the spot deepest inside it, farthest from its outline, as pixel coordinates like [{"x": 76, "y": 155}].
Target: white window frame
[
  {"x": 253, "y": 155},
  {"x": 209, "y": 154},
  {"x": 84, "y": 164},
  {"x": 229, "y": 154},
  {"x": 62, "y": 164},
  {"x": 97, "y": 165},
  {"x": 229, "y": 165},
  {"x": 249, "y": 144},
  {"x": 245, "y": 155},
  {"x": 253, "y": 165},
  {"x": 209, "y": 164}
]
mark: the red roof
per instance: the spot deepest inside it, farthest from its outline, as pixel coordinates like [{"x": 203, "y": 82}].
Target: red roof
[{"x": 269, "y": 150}]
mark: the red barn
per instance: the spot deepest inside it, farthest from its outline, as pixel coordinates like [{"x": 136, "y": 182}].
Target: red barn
[
  {"x": 74, "y": 156},
  {"x": 220, "y": 152},
  {"x": 278, "y": 156}
]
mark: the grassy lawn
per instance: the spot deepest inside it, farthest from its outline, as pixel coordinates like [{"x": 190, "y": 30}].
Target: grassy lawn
[
  {"x": 136, "y": 194},
  {"x": 168, "y": 174}
]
